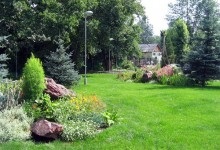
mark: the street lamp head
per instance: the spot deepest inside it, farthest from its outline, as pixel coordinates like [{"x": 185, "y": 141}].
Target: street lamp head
[{"x": 88, "y": 13}]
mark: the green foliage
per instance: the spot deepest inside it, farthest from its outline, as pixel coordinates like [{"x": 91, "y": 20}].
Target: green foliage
[
  {"x": 177, "y": 41},
  {"x": 164, "y": 80},
  {"x": 125, "y": 76},
  {"x": 181, "y": 118},
  {"x": 204, "y": 59},
  {"x": 80, "y": 116},
  {"x": 3, "y": 66},
  {"x": 10, "y": 93},
  {"x": 187, "y": 10},
  {"x": 110, "y": 118},
  {"x": 180, "y": 80},
  {"x": 75, "y": 130},
  {"x": 71, "y": 108},
  {"x": 127, "y": 64},
  {"x": 40, "y": 23},
  {"x": 176, "y": 80},
  {"x": 170, "y": 46},
  {"x": 41, "y": 108},
  {"x": 60, "y": 68},
  {"x": 14, "y": 125},
  {"x": 33, "y": 79},
  {"x": 137, "y": 75}
]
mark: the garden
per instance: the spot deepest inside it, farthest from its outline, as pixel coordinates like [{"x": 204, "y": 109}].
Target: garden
[{"x": 130, "y": 99}]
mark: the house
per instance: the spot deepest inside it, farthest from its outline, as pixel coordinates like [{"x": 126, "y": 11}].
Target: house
[{"x": 151, "y": 54}]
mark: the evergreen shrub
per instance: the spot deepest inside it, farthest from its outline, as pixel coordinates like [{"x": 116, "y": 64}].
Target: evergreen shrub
[
  {"x": 33, "y": 79},
  {"x": 60, "y": 67},
  {"x": 3, "y": 66}
]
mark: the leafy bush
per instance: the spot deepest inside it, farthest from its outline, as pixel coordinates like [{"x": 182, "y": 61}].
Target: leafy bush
[
  {"x": 80, "y": 116},
  {"x": 67, "y": 109},
  {"x": 180, "y": 80},
  {"x": 125, "y": 76},
  {"x": 137, "y": 75},
  {"x": 10, "y": 92},
  {"x": 33, "y": 79},
  {"x": 176, "y": 80},
  {"x": 127, "y": 64},
  {"x": 163, "y": 80},
  {"x": 41, "y": 108},
  {"x": 110, "y": 118},
  {"x": 14, "y": 125}
]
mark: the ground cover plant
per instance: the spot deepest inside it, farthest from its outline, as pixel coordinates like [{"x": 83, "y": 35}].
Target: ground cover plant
[
  {"x": 153, "y": 117},
  {"x": 78, "y": 116}
]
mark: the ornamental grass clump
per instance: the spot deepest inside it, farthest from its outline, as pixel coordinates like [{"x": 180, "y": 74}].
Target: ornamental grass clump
[{"x": 33, "y": 79}]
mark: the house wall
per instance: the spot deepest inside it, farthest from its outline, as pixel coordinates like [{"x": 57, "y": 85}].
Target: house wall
[
  {"x": 150, "y": 56},
  {"x": 157, "y": 56}
]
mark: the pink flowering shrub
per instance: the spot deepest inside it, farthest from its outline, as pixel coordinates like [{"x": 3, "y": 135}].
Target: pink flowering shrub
[{"x": 165, "y": 71}]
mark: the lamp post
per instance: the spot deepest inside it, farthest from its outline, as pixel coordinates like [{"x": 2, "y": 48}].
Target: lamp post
[
  {"x": 109, "y": 60},
  {"x": 86, "y": 14}
]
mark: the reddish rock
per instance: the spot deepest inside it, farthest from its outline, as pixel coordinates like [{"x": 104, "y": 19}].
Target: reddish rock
[
  {"x": 56, "y": 90},
  {"x": 46, "y": 129}
]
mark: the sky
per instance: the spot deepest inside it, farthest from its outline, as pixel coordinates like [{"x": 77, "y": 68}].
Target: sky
[{"x": 156, "y": 10}]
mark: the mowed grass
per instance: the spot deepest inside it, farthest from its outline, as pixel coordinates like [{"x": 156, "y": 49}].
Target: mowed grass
[{"x": 153, "y": 117}]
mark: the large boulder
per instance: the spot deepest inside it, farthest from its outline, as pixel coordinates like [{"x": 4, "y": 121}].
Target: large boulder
[
  {"x": 56, "y": 90},
  {"x": 46, "y": 129}
]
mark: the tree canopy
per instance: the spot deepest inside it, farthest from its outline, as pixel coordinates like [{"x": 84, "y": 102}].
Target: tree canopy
[{"x": 35, "y": 25}]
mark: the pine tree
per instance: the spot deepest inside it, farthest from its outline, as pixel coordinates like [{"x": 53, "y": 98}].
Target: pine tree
[
  {"x": 205, "y": 57},
  {"x": 60, "y": 67},
  {"x": 3, "y": 69}
]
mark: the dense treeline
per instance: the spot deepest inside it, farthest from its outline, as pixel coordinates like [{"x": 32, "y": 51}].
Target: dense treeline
[
  {"x": 36, "y": 25},
  {"x": 193, "y": 38}
]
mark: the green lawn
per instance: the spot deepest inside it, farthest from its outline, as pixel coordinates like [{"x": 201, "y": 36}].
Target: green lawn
[{"x": 153, "y": 117}]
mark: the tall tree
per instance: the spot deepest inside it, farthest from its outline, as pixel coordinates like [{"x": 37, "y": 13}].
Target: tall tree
[
  {"x": 147, "y": 30},
  {"x": 170, "y": 46},
  {"x": 187, "y": 10},
  {"x": 205, "y": 57},
  {"x": 176, "y": 42},
  {"x": 36, "y": 24},
  {"x": 165, "y": 59},
  {"x": 180, "y": 40},
  {"x": 115, "y": 20}
]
